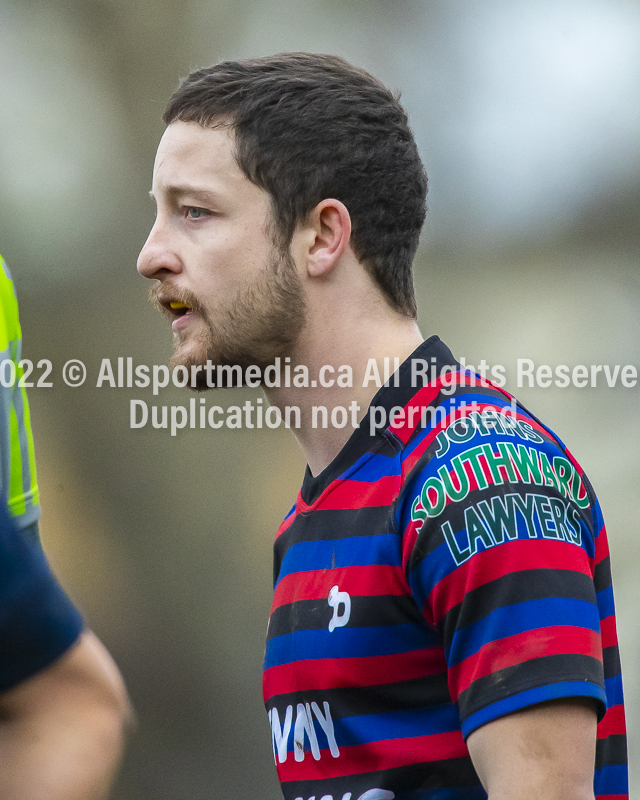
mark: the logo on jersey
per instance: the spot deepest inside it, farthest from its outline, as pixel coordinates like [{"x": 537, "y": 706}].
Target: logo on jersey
[{"x": 341, "y": 604}]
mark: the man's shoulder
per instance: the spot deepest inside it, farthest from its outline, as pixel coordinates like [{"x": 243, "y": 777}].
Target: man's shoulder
[{"x": 465, "y": 416}]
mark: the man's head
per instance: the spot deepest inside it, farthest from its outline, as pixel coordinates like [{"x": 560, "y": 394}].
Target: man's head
[
  {"x": 308, "y": 127},
  {"x": 258, "y": 156}
]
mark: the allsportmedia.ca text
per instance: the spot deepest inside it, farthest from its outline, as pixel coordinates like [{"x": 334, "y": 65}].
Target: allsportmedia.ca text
[
  {"x": 422, "y": 372},
  {"x": 279, "y": 374},
  {"x": 120, "y": 373}
]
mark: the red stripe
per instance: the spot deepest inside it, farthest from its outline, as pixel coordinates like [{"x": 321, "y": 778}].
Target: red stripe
[
  {"x": 332, "y": 673},
  {"x": 602, "y": 545},
  {"x": 521, "y": 647},
  {"x": 361, "y": 494},
  {"x": 412, "y": 459},
  {"x": 609, "y": 632},
  {"x": 424, "y": 397},
  {"x": 471, "y": 476},
  {"x": 613, "y": 723},
  {"x": 612, "y": 797},
  {"x": 374, "y": 579},
  {"x": 421, "y": 399},
  {"x": 516, "y": 556},
  {"x": 374, "y": 756}
]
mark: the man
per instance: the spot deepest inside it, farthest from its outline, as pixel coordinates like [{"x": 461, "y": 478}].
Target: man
[
  {"x": 442, "y": 624},
  {"x": 63, "y": 706}
]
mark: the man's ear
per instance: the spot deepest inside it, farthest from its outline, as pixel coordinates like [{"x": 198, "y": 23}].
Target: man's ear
[{"x": 331, "y": 226}]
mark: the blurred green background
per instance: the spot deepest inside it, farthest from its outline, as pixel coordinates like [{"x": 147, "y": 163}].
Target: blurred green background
[{"x": 527, "y": 117}]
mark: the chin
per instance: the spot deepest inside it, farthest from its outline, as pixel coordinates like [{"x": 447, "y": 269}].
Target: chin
[{"x": 187, "y": 355}]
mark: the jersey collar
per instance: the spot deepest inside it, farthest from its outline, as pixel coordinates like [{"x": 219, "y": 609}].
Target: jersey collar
[{"x": 398, "y": 392}]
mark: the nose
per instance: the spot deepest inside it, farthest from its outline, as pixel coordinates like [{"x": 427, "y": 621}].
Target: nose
[{"x": 158, "y": 256}]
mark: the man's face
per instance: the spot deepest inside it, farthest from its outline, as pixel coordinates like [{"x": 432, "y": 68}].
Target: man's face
[{"x": 231, "y": 295}]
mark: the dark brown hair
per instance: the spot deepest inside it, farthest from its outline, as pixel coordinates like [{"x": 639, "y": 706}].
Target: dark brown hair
[{"x": 309, "y": 127}]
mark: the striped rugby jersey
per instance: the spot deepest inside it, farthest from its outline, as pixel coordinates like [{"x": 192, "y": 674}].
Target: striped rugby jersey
[{"x": 441, "y": 572}]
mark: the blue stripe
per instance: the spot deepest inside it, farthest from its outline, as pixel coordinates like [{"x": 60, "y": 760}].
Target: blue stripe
[
  {"x": 377, "y": 467},
  {"x": 605, "y": 602},
  {"x": 367, "y": 728},
  {"x": 530, "y": 697},
  {"x": 347, "y": 643},
  {"x": 429, "y": 572},
  {"x": 613, "y": 687},
  {"x": 519, "y": 618},
  {"x": 396, "y": 725},
  {"x": 588, "y": 538},
  {"x": 355, "y": 467},
  {"x": 353, "y": 551},
  {"x": 613, "y": 779}
]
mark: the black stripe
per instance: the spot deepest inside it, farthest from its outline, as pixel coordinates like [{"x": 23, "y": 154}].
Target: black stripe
[
  {"x": 611, "y": 751},
  {"x": 449, "y": 773},
  {"x": 340, "y": 523},
  {"x": 370, "y": 611},
  {"x": 611, "y": 661},
  {"x": 532, "y": 674},
  {"x": 602, "y": 574},
  {"x": 516, "y": 587},
  {"x": 355, "y": 701}
]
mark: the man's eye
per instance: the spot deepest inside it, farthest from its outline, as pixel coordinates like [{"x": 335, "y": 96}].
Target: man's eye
[{"x": 196, "y": 213}]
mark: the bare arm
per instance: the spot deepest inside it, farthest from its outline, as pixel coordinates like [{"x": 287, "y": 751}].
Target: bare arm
[
  {"x": 546, "y": 752},
  {"x": 62, "y": 731}
]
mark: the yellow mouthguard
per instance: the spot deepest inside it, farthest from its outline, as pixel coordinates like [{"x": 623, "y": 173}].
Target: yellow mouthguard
[{"x": 176, "y": 304}]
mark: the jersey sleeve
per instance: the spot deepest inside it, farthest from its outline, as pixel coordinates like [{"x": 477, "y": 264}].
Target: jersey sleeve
[
  {"x": 498, "y": 541},
  {"x": 38, "y": 622}
]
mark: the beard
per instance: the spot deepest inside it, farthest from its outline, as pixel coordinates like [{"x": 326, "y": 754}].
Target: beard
[{"x": 261, "y": 323}]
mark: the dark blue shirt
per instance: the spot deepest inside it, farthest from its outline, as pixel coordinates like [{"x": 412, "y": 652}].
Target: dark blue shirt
[{"x": 38, "y": 622}]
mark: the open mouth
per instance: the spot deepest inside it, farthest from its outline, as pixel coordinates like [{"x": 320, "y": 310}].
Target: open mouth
[
  {"x": 175, "y": 309},
  {"x": 178, "y": 309}
]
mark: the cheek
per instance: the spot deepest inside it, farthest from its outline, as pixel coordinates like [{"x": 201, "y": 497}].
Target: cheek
[
  {"x": 216, "y": 284},
  {"x": 235, "y": 259},
  {"x": 243, "y": 261}
]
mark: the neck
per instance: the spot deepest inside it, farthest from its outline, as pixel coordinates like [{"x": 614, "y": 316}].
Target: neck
[{"x": 337, "y": 347}]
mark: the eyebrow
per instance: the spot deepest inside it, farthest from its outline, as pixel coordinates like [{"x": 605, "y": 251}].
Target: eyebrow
[{"x": 175, "y": 191}]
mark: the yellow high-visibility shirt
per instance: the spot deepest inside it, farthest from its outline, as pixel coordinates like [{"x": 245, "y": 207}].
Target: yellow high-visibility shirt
[{"x": 18, "y": 483}]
